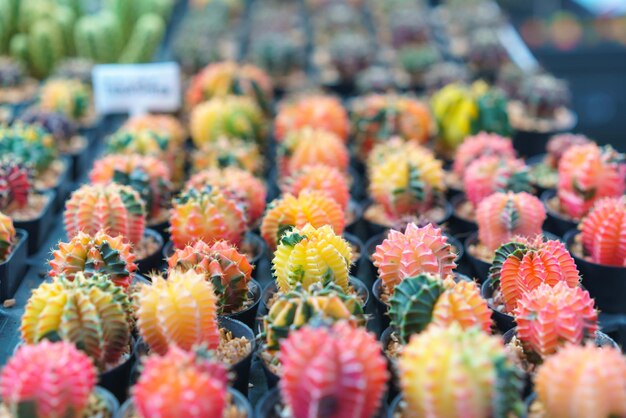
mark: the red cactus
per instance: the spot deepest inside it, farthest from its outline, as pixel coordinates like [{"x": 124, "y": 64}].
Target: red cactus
[
  {"x": 14, "y": 185},
  {"x": 604, "y": 232},
  {"x": 479, "y": 145}
]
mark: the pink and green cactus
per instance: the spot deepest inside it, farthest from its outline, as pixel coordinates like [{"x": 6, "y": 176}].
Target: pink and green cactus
[
  {"x": 490, "y": 174},
  {"x": 7, "y": 236},
  {"x": 604, "y": 232}
]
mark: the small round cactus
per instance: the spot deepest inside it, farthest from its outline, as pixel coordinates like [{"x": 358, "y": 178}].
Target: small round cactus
[
  {"x": 310, "y": 207},
  {"x": 228, "y": 152},
  {"x": 147, "y": 175},
  {"x": 417, "y": 250},
  {"x": 350, "y": 53},
  {"x": 451, "y": 373},
  {"x": 487, "y": 54},
  {"x": 181, "y": 310},
  {"x": 312, "y": 111},
  {"x": 7, "y": 236},
  {"x": 479, "y": 145},
  {"x": 51, "y": 379},
  {"x": 543, "y": 94},
  {"x": 164, "y": 125},
  {"x": 238, "y": 179},
  {"x": 588, "y": 173},
  {"x": 310, "y": 146},
  {"x": 322, "y": 178},
  {"x": 60, "y": 126},
  {"x": 112, "y": 208},
  {"x": 30, "y": 145},
  {"x": 91, "y": 312},
  {"x": 549, "y": 316},
  {"x": 559, "y": 144},
  {"x": 604, "y": 232},
  {"x": 522, "y": 265},
  {"x": 221, "y": 264},
  {"x": 277, "y": 54},
  {"x": 178, "y": 382},
  {"x": 97, "y": 254},
  {"x": 15, "y": 184},
  {"x": 332, "y": 372},
  {"x": 490, "y": 174},
  {"x": 70, "y": 97},
  {"x": 296, "y": 308},
  {"x": 310, "y": 255},
  {"x": 502, "y": 216},
  {"x": 582, "y": 382},
  {"x": 428, "y": 300},
  {"x": 208, "y": 215}
]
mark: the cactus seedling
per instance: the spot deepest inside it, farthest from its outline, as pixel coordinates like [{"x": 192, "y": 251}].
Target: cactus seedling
[
  {"x": 90, "y": 312},
  {"x": 178, "y": 382},
  {"x": 467, "y": 375},
  {"x": 15, "y": 185},
  {"x": 604, "y": 232},
  {"x": 7, "y": 236},
  {"x": 311, "y": 255},
  {"x": 50, "y": 379},
  {"x": 490, "y": 174},
  {"x": 417, "y": 250},
  {"x": 181, "y": 310},
  {"x": 332, "y": 372},
  {"x": 208, "y": 215},
  {"x": 582, "y": 382},
  {"x": 310, "y": 146},
  {"x": 112, "y": 208},
  {"x": 479, "y": 145},
  {"x": 322, "y": 178},
  {"x": 70, "y": 97}
]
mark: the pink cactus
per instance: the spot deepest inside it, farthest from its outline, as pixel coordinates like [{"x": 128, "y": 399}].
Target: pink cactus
[
  {"x": 604, "y": 232},
  {"x": 490, "y": 174},
  {"x": 479, "y": 145}
]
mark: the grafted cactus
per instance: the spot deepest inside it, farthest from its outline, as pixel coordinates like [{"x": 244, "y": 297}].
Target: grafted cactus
[
  {"x": 50, "y": 379},
  {"x": 490, "y": 174},
  {"x": 322, "y": 178},
  {"x": 232, "y": 178},
  {"x": 181, "y": 310},
  {"x": 221, "y": 264},
  {"x": 178, "y": 382},
  {"x": 502, "y": 216},
  {"x": 147, "y": 175},
  {"x": 164, "y": 125},
  {"x": 310, "y": 207},
  {"x": 310, "y": 255},
  {"x": 550, "y": 316},
  {"x": 94, "y": 254},
  {"x": 15, "y": 185},
  {"x": 468, "y": 375},
  {"x": 296, "y": 308},
  {"x": 522, "y": 265},
  {"x": 112, "y": 208},
  {"x": 428, "y": 300},
  {"x": 90, "y": 312},
  {"x": 310, "y": 146},
  {"x": 332, "y": 372},
  {"x": 67, "y": 96},
  {"x": 479, "y": 145},
  {"x": 559, "y": 144},
  {"x": 598, "y": 371},
  {"x": 30, "y": 145},
  {"x": 312, "y": 111},
  {"x": 7, "y": 236},
  {"x": 208, "y": 215},
  {"x": 588, "y": 173},
  {"x": 604, "y": 232},
  {"x": 417, "y": 250},
  {"x": 228, "y": 152}
]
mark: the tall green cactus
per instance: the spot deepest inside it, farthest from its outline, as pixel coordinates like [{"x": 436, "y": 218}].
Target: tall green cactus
[
  {"x": 124, "y": 12},
  {"x": 45, "y": 47},
  {"x": 144, "y": 40},
  {"x": 99, "y": 37}
]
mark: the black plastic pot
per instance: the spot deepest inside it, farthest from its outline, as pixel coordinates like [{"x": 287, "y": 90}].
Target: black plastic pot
[
  {"x": 111, "y": 402},
  {"x": 459, "y": 225},
  {"x": 357, "y": 214},
  {"x": 534, "y": 161},
  {"x": 530, "y": 143},
  {"x": 394, "y": 407},
  {"x": 81, "y": 162},
  {"x": 606, "y": 284},
  {"x": 556, "y": 222},
  {"x": 248, "y": 315},
  {"x": 504, "y": 322},
  {"x": 39, "y": 227},
  {"x": 481, "y": 268},
  {"x": 117, "y": 379},
  {"x": 242, "y": 367},
  {"x": 154, "y": 261},
  {"x": 392, "y": 386},
  {"x": 13, "y": 268}
]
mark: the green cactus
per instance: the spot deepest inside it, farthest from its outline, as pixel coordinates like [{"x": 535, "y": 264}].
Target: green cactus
[
  {"x": 492, "y": 113},
  {"x": 123, "y": 10},
  {"x": 45, "y": 47},
  {"x": 99, "y": 37},
  {"x": 144, "y": 40}
]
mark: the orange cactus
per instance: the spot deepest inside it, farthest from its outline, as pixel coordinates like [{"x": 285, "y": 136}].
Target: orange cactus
[
  {"x": 604, "y": 232},
  {"x": 480, "y": 145},
  {"x": 310, "y": 207},
  {"x": 321, "y": 178},
  {"x": 502, "y": 216},
  {"x": 490, "y": 174},
  {"x": 312, "y": 111},
  {"x": 310, "y": 146},
  {"x": 547, "y": 317},
  {"x": 461, "y": 303}
]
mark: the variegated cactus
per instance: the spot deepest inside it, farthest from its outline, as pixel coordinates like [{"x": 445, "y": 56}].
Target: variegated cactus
[
  {"x": 312, "y": 111},
  {"x": 178, "y": 382},
  {"x": 148, "y": 175},
  {"x": 230, "y": 116},
  {"x": 220, "y": 263},
  {"x": 598, "y": 372},
  {"x": 467, "y": 375},
  {"x": 112, "y": 208},
  {"x": 322, "y": 178},
  {"x": 162, "y": 124},
  {"x": 502, "y": 216},
  {"x": 296, "y": 308},
  {"x": 228, "y": 152},
  {"x": 428, "y": 300},
  {"x": 28, "y": 144},
  {"x": 550, "y": 316},
  {"x": 181, "y": 310},
  {"x": 208, "y": 215},
  {"x": 332, "y": 372},
  {"x": 587, "y": 173},
  {"x": 67, "y": 96},
  {"x": 90, "y": 312},
  {"x": 310, "y": 146},
  {"x": 559, "y": 144},
  {"x": 94, "y": 254},
  {"x": 310, "y": 255},
  {"x": 522, "y": 265},
  {"x": 480, "y": 145},
  {"x": 7, "y": 236},
  {"x": 490, "y": 174},
  {"x": 417, "y": 250},
  {"x": 15, "y": 185},
  {"x": 50, "y": 379},
  {"x": 604, "y": 232},
  {"x": 310, "y": 207},
  {"x": 250, "y": 187}
]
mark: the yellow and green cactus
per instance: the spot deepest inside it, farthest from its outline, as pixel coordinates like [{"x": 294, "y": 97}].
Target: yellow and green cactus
[
  {"x": 228, "y": 152},
  {"x": 67, "y": 96},
  {"x": 7, "y": 236},
  {"x": 29, "y": 145}
]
